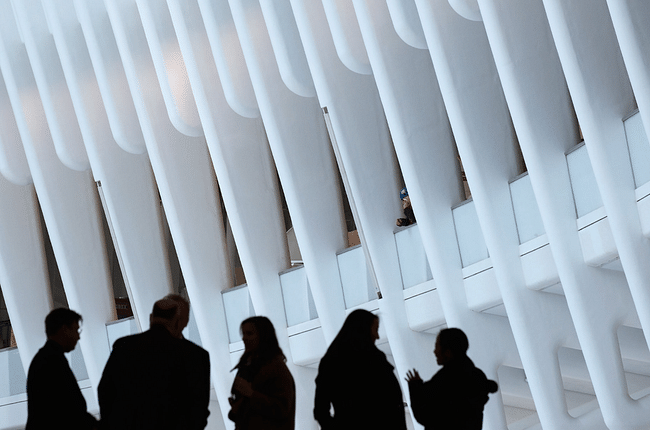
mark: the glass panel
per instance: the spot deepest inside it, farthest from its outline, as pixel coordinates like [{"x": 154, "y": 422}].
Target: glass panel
[
  {"x": 529, "y": 220},
  {"x": 355, "y": 279},
  {"x": 469, "y": 234},
  {"x": 583, "y": 182},
  {"x": 413, "y": 262},
  {"x": 299, "y": 304},
  {"x": 637, "y": 142},
  {"x": 238, "y": 307}
]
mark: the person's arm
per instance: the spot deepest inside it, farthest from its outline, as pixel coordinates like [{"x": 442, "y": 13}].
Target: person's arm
[
  {"x": 423, "y": 401},
  {"x": 323, "y": 402}
]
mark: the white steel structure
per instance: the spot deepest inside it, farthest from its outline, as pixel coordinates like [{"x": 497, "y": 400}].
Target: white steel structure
[{"x": 137, "y": 121}]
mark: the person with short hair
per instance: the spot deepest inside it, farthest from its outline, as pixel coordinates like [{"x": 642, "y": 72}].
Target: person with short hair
[
  {"x": 157, "y": 380},
  {"x": 456, "y": 395},
  {"x": 54, "y": 399}
]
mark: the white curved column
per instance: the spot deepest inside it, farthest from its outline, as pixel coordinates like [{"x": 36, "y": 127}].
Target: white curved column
[
  {"x": 111, "y": 76},
  {"x": 630, "y": 18},
  {"x": 23, "y": 269},
  {"x": 13, "y": 163},
  {"x": 602, "y": 96},
  {"x": 236, "y": 143},
  {"x": 542, "y": 113},
  {"x": 479, "y": 118},
  {"x": 305, "y": 164},
  {"x": 367, "y": 154},
  {"x": 69, "y": 202},
  {"x": 126, "y": 179},
  {"x": 51, "y": 84},
  {"x": 187, "y": 187},
  {"x": 428, "y": 158},
  {"x": 170, "y": 67}
]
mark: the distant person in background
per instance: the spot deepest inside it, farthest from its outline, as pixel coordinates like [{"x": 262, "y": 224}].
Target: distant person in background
[
  {"x": 356, "y": 379},
  {"x": 157, "y": 380},
  {"x": 409, "y": 216},
  {"x": 54, "y": 400},
  {"x": 454, "y": 398},
  {"x": 264, "y": 392}
]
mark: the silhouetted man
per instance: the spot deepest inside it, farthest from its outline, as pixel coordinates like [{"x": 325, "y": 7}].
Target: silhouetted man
[
  {"x": 157, "y": 380},
  {"x": 454, "y": 398},
  {"x": 54, "y": 399}
]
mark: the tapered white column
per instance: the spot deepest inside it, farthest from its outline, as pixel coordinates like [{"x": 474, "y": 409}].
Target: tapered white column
[
  {"x": 23, "y": 269},
  {"x": 298, "y": 139},
  {"x": 630, "y": 18},
  {"x": 602, "y": 97},
  {"x": 184, "y": 176},
  {"x": 303, "y": 158},
  {"x": 236, "y": 143},
  {"x": 367, "y": 155},
  {"x": 68, "y": 198},
  {"x": 426, "y": 149},
  {"x": 543, "y": 115},
  {"x": 127, "y": 182},
  {"x": 488, "y": 148}
]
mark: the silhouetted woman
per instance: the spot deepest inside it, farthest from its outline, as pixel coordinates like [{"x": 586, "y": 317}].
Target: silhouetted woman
[
  {"x": 356, "y": 379},
  {"x": 264, "y": 393}
]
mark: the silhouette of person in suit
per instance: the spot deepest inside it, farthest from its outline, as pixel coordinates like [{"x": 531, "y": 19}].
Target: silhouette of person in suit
[
  {"x": 264, "y": 392},
  {"x": 356, "y": 379},
  {"x": 54, "y": 399},
  {"x": 454, "y": 398},
  {"x": 157, "y": 380}
]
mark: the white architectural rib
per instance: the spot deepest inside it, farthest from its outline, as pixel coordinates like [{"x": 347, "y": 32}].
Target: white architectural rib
[
  {"x": 111, "y": 77},
  {"x": 409, "y": 86},
  {"x": 244, "y": 168},
  {"x": 346, "y": 35},
  {"x": 189, "y": 195},
  {"x": 367, "y": 155},
  {"x": 602, "y": 97},
  {"x": 70, "y": 207},
  {"x": 630, "y": 18},
  {"x": 13, "y": 163},
  {"x": 488, "y": 148},
  {"x": 23, "y": 269},
  {"x": 170, "y": 68},
  {"x": 51, "y": 84},
  {"x": 229, "y": 58},
  {"x": 299, "y": 143},
  {"x": 126, "y": 179},
  {"x": 541, "y": 80},
  {"x": 428, "y": 159}
]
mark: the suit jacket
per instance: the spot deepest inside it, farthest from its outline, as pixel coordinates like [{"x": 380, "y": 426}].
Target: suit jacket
[
  {"x": 54, "y": 399},
  {"x": 155, "y": 381},
  {"x": 453, "y": 399}
]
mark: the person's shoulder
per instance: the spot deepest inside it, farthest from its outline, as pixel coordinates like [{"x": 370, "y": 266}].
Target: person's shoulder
[{"x": 194, "y": 349}]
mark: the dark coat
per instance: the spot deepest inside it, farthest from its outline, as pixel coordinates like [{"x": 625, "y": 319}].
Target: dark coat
[
  {"x": 54, "y": 399},
  {"x": 273, "y": 403},
  {"x": 453, "y": 399},
  {"x": 155, "y": 381},
  {"x": 363, "y": 389}
]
